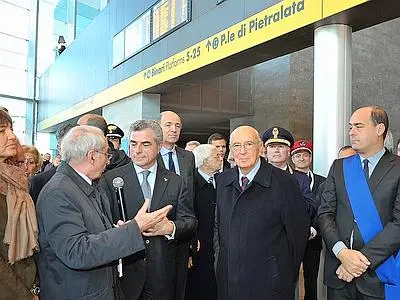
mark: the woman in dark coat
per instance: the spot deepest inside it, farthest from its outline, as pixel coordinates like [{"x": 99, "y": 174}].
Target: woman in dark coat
[
  {"x": 18, "y": 226},
  {"x": 201, "y": 278}
]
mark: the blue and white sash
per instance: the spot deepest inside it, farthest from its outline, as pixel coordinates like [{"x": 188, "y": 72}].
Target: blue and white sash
[{"x": 369, "y": 222}]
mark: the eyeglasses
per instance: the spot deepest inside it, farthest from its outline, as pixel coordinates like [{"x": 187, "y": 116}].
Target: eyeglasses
[
  {"x": 246, "y": 145},
  {"x": 108, "y": 155}
]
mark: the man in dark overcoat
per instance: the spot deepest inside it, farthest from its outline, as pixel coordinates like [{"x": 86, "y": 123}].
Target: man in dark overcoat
[{"x": 262, "y": 225}]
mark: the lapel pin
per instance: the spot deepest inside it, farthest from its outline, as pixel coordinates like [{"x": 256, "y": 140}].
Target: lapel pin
[{"x": 165, "y": 179}]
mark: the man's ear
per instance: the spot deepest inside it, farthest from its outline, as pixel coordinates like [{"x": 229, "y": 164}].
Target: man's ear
[
  {"x": 90, "y": 156},
  {"x": 380, "y": 128}
]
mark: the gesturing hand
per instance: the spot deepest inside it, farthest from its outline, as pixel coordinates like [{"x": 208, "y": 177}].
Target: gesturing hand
[
  {"x": 147, "y": 220},
  {"x": 353, "y": 261},
  {"x": 163, "y": 227}
]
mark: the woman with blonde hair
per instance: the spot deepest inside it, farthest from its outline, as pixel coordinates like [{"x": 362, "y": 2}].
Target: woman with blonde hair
[
  {"x": 18, "y": 225},
  {"x": 33, "y": 160}
]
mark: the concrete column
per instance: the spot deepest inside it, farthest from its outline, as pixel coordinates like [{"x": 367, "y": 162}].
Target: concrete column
[
  {"x": 137, "y": 107},
  {"x": 332, "y": 93}
]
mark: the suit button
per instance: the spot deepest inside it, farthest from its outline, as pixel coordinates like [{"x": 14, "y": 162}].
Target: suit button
[{"x": 147, "y": 241}]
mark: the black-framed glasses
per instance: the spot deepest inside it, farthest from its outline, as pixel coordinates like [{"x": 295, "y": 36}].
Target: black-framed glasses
[
  {"x": 246, "y": 145},
  {"x": 108, "y": 155}
]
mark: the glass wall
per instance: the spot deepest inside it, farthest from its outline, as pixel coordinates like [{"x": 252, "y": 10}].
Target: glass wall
[
  {"x": 22, "y": 116},
  {"x": 86, "y": 11},
  {"x": 14, "y": 25},
  {"x": 26, "y": 54}
]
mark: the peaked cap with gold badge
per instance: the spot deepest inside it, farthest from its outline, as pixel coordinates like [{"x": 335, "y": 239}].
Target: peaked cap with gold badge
[{"x": 277, "y": 135}]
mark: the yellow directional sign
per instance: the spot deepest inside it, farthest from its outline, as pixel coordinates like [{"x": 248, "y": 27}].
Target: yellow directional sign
[
  {"x": 331, "y": 7},
  {"x": 277, "y": 20}
]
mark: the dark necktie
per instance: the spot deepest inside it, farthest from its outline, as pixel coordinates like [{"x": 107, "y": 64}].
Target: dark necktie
[
  {"x": 366, "y": 168},
  {"x": 146, "y": 189},
  {"x": 171, "y": 165},
  {"x": 211, "y": 181},
  {"x": 245, "y": 182},
  {"x": 309, "y": 178}
]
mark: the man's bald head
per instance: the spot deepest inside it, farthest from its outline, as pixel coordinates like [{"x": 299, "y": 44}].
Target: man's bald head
[
  {"x": 94, "y": 120},
  {"x": 171, "y": 125},
  {"x": 243, "y": 131},
  {"x": 246, "y": 147}
]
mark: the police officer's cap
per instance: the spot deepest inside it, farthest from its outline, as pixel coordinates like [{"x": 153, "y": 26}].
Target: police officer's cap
[
  {"x": 277, "y": 135},
  {"x": 114, "y": 131}
]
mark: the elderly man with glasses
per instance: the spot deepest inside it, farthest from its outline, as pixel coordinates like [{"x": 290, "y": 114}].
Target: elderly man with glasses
[
  {"x": 79, "y": 245},
  {"x": 262, "y": 225}
]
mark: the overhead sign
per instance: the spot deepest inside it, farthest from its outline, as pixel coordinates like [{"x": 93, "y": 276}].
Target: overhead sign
[
  {"x": 167, "y": 15},
  {"x": 264, "y": 26},
  {"x": 331, "y": 7},
  {"x": 282, "y": 18},
  {"x": 275, "y": 21}
]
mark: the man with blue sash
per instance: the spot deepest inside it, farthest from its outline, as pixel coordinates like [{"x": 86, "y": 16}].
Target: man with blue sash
[{"x": 359, "y": 215}]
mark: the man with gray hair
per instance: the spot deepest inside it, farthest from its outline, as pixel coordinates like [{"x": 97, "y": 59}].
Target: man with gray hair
[
  {"x": 201, "y": 278},
  {"x": 191, "y": 145},
  {"x": 78, "y": 244},
  {"x": 153, "y": 276}
]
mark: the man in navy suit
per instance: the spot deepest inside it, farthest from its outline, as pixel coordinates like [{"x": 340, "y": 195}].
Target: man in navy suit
[
  {"x": 155, "y": 275},
  {"x": 181, "y": 162},
  {"x": 351, "y": 262}
]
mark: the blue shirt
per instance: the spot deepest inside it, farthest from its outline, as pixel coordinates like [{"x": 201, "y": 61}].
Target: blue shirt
[
  {"x": 164, "y": 152},
  {"x": 373, "y": 160}
]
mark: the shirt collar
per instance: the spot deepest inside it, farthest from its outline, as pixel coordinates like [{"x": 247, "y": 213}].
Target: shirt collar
[
  {"x": 152, "y": 169},
  {"x": 165, "y": 151},
  {"x": 374, "y": 159},
  {"x": 204, "y": 175},
  {"x": 250, "y": 176},
  {"x": 87, "y": 179}
]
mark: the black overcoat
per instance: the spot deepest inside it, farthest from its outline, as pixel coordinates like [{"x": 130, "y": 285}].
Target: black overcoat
[{"x": 261, "y": 234}]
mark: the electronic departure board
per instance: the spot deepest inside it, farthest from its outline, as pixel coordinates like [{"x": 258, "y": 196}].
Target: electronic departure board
[
  {"x": 137, "y": 34},
  {"x": 168, "y": 14}
]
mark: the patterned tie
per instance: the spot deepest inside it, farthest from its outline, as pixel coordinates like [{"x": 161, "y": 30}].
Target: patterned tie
[
  {"x": 146, "y": 189},
  {"x": 211, "y": 181},
  {"x": 366, "y": 168},
  {"x": 245, "y": 182},
  {"x": 171, "y": 165}
]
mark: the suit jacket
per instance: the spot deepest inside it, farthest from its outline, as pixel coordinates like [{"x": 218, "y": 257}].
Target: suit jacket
[
  {"x": 306, "y": 193},
  {"x": 336, "y": 221},
  {"x": 261, "y": 234},
  {"x": 187, "y": 171},
  {"x": 77, "y": 242},
  {"x": 160, "y": 259},
  {"x": 201, "y": 278},
  {"x": 318, "y": 180},
  {"x": 37, "y": 182},
  {"x": 186, "y": 168},
  {"x": 225, "y": 165}
]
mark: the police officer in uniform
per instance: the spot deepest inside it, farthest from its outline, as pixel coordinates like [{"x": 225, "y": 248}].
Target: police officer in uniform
[
  {"x": 277, "y": 142},
  {"x": 114, "y": 135}
]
